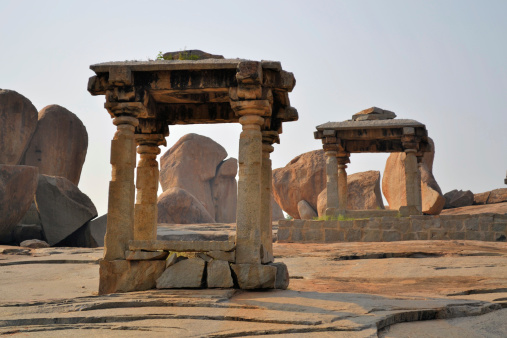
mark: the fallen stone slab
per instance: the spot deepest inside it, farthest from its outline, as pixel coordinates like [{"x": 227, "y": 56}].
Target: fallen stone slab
[{"x": 63, "y": 208}]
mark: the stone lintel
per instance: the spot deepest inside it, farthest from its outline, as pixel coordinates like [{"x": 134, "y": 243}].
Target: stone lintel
[
  {"x": 120, "y": 76},
  {"x": 182, "y": 246},
  {"x": 145, "y": 255}
]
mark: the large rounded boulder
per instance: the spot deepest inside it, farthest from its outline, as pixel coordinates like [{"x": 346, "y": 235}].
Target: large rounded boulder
[
  {"x": 17, "y": 188},
  {"x": 191, "y": 164},
  {"x": 303, "y": 178},
  {"x": 59, "y": 144},
  {"x": 178, "y": 206},
  {"x": 18, "y": 120},
  {"x": 363, "y": 192}
]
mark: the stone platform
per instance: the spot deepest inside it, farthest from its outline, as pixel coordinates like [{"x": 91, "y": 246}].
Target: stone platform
[
  {"x": 483, "y": 227},
  {"x": 396, "y": 289}
]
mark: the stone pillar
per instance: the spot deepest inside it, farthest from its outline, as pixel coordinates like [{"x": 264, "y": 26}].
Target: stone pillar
[
  {"x": 331, "y": 181},
  {"x": 268, "y": 138},
  {"x": 120, "y": 217},
  {"x": 412, "y": 181},
  {"x": 146, "y": 214},
  {"x": 343, "y": 192},
  {"x": 248, "y": 215}
]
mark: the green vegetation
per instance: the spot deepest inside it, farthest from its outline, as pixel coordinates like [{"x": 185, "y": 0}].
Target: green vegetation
[
  {"x": 182, "y": 55},
  {"x": 335, "y": 218}
]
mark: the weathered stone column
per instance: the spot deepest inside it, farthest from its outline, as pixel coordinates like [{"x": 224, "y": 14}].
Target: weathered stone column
[
  {"x": 412, "y": 180},
  {"x": 332, "y": 181},
  {"x": 248, "y": 216},
  {"x": 120, "y": 217},
  {"x": 268, "y": 138},
  {"x": 342, "y": 160},
  {"x": 145, "y": 218}
]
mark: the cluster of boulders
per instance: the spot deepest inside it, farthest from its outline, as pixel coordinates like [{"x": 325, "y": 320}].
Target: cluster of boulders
[
  {"x": 199, "y": 183},
  {"x": 300, "y": 187},
  {"x": 464, "y": 198},
  {"x": 41, "y": 159}
]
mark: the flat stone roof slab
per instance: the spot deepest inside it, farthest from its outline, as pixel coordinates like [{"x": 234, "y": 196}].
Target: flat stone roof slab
[
  {"x": 159, "y": 65},
  {"x": 370, "y": 124}
]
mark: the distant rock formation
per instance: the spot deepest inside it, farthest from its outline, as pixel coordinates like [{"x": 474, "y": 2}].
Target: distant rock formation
[
  {"x": 303, "y": 178},
  {"x": 59, "y": 144},
  {"x": 363, "y": 192},
  {"x": 394, "y": 189},
  {"x": 196, "y": 164},
  {"x": 491, "y": 197},
  {"x": 18, "y": 120},
  {"x": 178, "y": 206},
  {"x": 458, "y": 198}
]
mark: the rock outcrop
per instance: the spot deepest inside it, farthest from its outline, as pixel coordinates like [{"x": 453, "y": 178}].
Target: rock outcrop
[
  {"x": 178, "y": 206},
  {"x": 17, "y": 188},
  {"x": 63, "y": 208},
  {"x": 305, "y": 210},
  {"x": 18, "y": 120},
  {"x": 363, "y": 192},
  {"x": 303, "y": 178},
  {"x": 394, "y": 189},
  {"x": 196, "y": 164},
  {"x": 58, "y": 146},
  {"x": 458, "y": 198}
]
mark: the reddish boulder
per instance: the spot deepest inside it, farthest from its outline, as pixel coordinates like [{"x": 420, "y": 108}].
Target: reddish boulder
[
  {"x": 394, "y": 189},
  {"x": 59, "y": 144},
  {"x": 363, "y": 192},
  {"x": 178, "y": 206},
  {"x": 303, "y": 178},
  {"x": 305, "y": 210},
  {"x": 18, "y": 120},
  {"x": 191, "y": 164},
  {"x": 17, "y": 188},
  {"x": 498, "y": 196}
]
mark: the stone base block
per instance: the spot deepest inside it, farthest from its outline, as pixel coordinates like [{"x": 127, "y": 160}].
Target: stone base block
[
  {"x": 255, "y": 276},
  {"x": 406, "y": 211},
  {"x": 126, "y": 276},
  {"x": 219, "y": 274},
  {"x": 187, "y": 273},
  {"x": 282, "y": 276}
]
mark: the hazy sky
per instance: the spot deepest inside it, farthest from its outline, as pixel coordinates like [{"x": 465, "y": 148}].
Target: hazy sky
[{"x": 443, "y": 63}]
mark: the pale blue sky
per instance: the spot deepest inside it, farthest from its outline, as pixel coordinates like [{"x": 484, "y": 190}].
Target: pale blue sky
[{"x": 443, "y": 63}]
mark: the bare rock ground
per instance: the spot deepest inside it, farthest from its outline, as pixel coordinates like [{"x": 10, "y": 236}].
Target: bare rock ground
[{"x": 396, "y": 289}]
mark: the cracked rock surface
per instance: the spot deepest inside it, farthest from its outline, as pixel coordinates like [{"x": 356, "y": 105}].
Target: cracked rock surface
[{"x": 397, "y": 289}]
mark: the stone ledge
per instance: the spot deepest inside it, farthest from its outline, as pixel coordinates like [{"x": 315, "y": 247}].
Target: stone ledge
[
  {"x": 483, "y": 227},
  {"x": 182, "y": 246}
]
